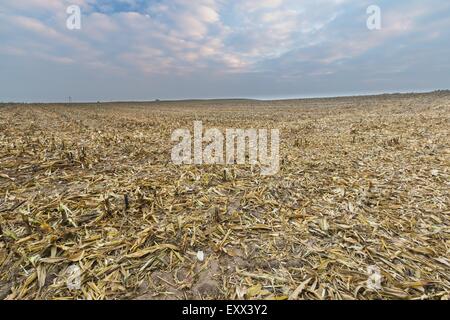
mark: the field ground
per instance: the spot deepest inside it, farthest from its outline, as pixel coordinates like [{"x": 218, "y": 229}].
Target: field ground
[{"x": 364, "y": 182}]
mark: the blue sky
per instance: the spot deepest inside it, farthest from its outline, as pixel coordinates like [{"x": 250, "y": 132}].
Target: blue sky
[{"x": 179, "y": 49}]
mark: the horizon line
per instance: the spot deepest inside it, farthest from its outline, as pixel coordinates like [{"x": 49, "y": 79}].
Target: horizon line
[{"x": 257, "y": 99}]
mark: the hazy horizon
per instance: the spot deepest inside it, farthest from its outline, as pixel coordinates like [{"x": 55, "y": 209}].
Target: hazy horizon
[{"x": 287, "y": 98}]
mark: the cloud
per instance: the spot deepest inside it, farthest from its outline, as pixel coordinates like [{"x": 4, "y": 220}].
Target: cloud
[
  {"x": 190, "y": 34},
  {"x": 285, "y": 39}
]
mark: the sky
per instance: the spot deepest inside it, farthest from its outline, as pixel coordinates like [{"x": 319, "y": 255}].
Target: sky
[{"x": 184, "y": 49}]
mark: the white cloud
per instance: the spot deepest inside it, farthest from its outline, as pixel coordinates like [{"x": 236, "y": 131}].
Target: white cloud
[{"x": 183, "y": 36}]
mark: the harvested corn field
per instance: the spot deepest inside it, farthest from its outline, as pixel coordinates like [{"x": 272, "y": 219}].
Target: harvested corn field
[{"x": 363, "y": 189}]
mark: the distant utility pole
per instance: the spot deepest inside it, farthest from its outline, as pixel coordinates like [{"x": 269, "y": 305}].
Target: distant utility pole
[{"x": 70, "y": 99}]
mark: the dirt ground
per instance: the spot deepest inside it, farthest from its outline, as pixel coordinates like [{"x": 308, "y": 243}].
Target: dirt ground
[{"x": 363, "y": 185}]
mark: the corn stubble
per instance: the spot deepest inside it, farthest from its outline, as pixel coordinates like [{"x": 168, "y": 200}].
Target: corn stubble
[{"x": 363, "y": 182}]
